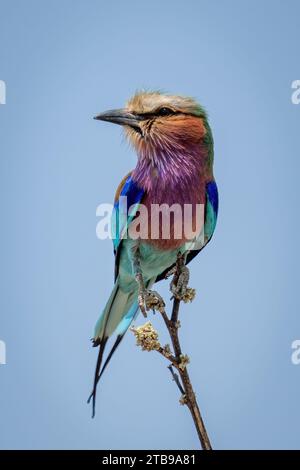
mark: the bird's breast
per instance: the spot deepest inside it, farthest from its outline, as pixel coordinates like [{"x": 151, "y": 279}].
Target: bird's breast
[{"x": 172, "y": 215}]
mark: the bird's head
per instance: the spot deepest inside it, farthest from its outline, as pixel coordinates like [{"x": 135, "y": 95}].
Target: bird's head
[{"x": 158, "y": 123}]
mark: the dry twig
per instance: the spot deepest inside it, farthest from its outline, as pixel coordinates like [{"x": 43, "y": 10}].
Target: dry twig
[{"x": 147, "y": 338}]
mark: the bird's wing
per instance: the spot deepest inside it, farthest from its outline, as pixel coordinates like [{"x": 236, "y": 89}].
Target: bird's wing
[
  {"x": 211, "y": 214},
  {"x": 127, "y": 199}
]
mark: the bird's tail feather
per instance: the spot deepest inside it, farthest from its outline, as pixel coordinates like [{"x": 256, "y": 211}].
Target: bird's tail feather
[
  {"x": 121, "y": 330},
  {"x": 116, "y": 308},
  {"x": 123, "y": 327},
  {"x": 117, "y": 314},
  {"x": 120, "y": 311},
  {"x": 97, "y": 376}
]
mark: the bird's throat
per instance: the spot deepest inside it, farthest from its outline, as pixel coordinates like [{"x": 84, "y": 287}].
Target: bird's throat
[{"x": 172, "y": 172}]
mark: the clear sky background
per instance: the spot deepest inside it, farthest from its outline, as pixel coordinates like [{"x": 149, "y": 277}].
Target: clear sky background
[{"x": 63, "y": 62}]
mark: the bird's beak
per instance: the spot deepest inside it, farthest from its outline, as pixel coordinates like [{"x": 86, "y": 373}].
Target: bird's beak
[{"x": 121, "y": 117}]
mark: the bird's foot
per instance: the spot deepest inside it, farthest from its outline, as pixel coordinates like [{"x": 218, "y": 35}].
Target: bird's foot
[
  {"x": 179, "y": 284},
  {"x": 154, "y": 301},
  {"x": 150, "y": 300},
  {"x": 171, "y": 272}
]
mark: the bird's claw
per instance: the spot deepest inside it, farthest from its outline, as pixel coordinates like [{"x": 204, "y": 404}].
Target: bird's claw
[
  {"x": 150, "y": 300},
  {"x": 179, "y": 285},
  {"x": 171, "y": 272},
  {"x": 141, "y": 302}
]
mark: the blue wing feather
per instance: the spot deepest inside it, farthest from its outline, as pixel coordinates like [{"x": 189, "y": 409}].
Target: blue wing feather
[
  {"x": 125, "y": 209},
  {"x": 211, "y": 210},
  {"x": 212, "y": 195}
]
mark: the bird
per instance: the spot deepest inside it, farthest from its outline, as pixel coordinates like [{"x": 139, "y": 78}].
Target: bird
[{"x": 174, "y": 144}]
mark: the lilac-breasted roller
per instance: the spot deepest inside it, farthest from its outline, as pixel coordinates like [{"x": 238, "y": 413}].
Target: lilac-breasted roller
[{"x": 174, "y": 147}]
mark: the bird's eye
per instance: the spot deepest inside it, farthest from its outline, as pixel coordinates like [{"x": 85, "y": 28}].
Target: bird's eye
[{"x": 165, "y": 112}]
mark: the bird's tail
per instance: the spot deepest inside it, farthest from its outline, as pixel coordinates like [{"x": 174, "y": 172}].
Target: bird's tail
[{"x": 120, "y": 310}]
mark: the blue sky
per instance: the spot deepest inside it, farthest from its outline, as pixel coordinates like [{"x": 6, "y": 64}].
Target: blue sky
[{"x": 62, "y": 63}]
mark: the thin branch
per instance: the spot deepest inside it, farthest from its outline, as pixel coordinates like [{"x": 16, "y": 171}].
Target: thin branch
[
  {"x": 168, "y": 356},
  {"x": 165, "y": 318},
  {"x": 176, "y": 379},
  {"x": 175, "y": 310},
  {"x": 189, "y": 392},
  {"x": 184, "y": 375},
  {"x": 147, "y": 338}
]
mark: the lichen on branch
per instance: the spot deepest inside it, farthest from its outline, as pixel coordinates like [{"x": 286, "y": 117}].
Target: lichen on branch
[{"x": 146, "y": 337}]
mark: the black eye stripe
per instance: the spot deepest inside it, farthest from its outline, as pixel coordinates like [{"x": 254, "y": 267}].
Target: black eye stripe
[
  {"x": 164, "y": 111},
  {"x": 157, "y": 113}
]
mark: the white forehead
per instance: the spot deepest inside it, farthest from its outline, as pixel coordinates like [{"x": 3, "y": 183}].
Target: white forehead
[{"x": 147, "y": 102}]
